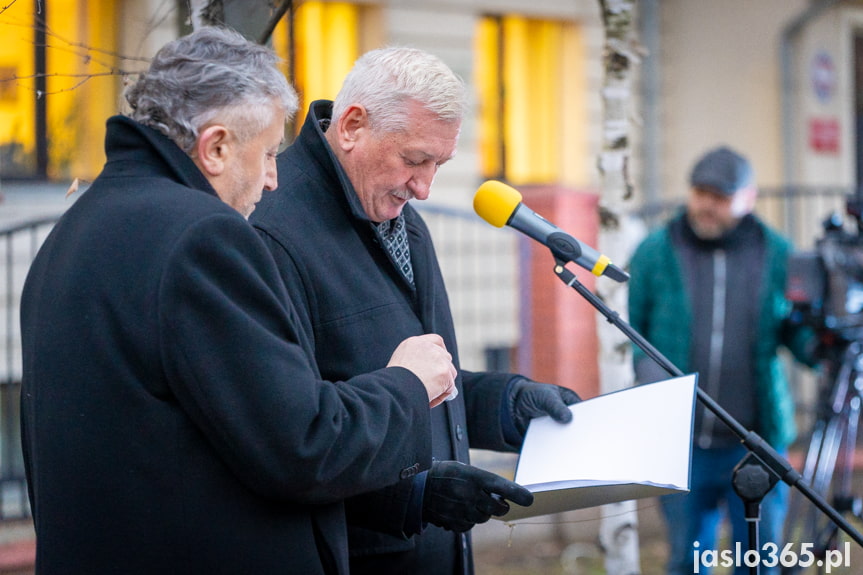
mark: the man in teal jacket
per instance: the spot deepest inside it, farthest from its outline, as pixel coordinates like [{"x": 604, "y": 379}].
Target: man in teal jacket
[{"x": 707, "y": 290}]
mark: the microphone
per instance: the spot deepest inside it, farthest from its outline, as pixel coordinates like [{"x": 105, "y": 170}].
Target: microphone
[{"x": 501, "y": 205}]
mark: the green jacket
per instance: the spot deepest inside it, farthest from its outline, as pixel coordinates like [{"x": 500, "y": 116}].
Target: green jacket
[{"x": 660, "y": 310}]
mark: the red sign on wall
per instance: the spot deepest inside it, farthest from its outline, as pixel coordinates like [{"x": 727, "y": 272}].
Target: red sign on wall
[{"x": 824, "y": 135}]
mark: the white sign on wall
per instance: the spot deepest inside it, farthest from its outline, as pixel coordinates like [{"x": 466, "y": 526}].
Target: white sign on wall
[{"x": 823, "y": 75}]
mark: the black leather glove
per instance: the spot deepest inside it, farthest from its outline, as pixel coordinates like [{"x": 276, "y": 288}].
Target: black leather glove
[
  {"x": 529, "y": 399},
  {"x": 458, "y": 496}
]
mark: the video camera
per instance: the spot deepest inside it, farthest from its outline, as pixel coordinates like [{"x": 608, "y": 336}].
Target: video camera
[{"x": 825, "y": 286}]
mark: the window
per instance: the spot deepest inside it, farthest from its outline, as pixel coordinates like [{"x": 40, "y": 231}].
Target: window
[
  {"x": 531, "y": 87},
  {"x": 57, "y": 72},
  {"x": 321, "y": 45}
]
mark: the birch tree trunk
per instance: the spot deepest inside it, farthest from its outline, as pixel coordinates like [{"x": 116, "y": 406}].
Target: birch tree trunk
[{"x": 619, "y": 526}]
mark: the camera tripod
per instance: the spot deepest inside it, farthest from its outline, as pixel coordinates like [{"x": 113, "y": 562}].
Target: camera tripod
[{"x": 829, "y": 463}]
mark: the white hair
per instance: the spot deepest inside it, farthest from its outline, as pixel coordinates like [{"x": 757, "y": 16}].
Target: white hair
[{"x": 387, "y": 80}]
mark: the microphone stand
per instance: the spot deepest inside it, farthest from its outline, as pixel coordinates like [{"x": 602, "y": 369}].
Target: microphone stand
[{"x": 766, "y": 456}]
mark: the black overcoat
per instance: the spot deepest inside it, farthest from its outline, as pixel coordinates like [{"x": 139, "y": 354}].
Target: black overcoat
[
  {"x": 354, "y": 301},
  {"x": 173, "y": 418}
]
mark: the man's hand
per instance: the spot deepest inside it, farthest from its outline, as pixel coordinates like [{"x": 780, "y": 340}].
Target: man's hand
[
  {"x": 458, "y": 496},
  {"x": 426, "y": 356},
  {"x": 529, "y": 399}
]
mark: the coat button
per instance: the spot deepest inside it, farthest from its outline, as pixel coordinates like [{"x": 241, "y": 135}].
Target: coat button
[
  {"x": 459, "y": 433},
  {"x": 409, "y": 471}
]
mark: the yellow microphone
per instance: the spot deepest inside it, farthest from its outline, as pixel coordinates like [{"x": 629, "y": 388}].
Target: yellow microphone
[{"x": 501, "y": 205}]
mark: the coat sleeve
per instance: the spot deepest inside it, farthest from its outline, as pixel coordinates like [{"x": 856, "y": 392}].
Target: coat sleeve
[
  {"x": 484, "y": 396},
  {"x": 230, "y": 346},
  {"x": 387, "y": 510},
  {"x": 639, "y": 295},
  {"x": 658, "y": 307},
  {"x": 644, "y": 309}
]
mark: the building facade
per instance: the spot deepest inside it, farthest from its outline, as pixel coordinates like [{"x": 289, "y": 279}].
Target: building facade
[{"x": 780, "y": 80}]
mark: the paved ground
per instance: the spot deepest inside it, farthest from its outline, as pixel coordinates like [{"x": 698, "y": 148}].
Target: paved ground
[
  {"x": 571, "y": 549},
  {"x": 567, "y": 544}
]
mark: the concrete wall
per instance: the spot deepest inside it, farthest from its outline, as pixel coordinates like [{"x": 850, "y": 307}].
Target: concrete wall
[{"x": 720, "y": 84}]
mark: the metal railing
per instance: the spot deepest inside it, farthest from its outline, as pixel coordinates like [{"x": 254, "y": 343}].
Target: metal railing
[
  {"x": 480, "y": 265},
  {"x": 19, "y": 244},
  {"x": 797, "y": 212}
]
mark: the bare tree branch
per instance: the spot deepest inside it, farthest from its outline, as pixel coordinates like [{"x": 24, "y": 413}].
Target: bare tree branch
[
  {"x": 161, "y": 13},
  {"x": 86, "y": 48},
  {"x": 213, "y": 13},
  {"x": 84, "y": 78},
  {"x": 7, "y": 6},
  {"x": 88, "y": 54},
  {"x": 280, "y": 11}
]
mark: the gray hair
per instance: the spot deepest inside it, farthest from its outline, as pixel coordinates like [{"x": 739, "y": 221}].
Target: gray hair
[
  {"x": 385, "y": 81},
  {"x": 212, "y": 72}
]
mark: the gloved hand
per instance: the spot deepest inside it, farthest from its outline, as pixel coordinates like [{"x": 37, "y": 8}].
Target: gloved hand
[
  {"x": 529, "y": 399},
  {"x": 458, "y": 496}
]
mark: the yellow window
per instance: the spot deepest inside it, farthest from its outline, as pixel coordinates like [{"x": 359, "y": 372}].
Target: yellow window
[
  {"x": 17, "y": 92},
  {"x": 58, "y": 85},
  {"x": 531, "y": 87},
  {"x": 321, "y": 45}
]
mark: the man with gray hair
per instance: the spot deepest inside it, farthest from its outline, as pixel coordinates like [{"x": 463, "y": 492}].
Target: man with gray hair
[
  {"x": 173, "y": 418},
  {"x": 359, "y": 264}
]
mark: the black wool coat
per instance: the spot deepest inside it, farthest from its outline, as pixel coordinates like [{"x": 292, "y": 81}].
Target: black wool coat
[
  {"x": 174, "y": 420},
  {"x": 357, "y": 306}
]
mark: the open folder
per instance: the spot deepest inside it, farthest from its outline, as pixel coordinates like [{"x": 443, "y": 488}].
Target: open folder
[{"x": 624, "y": 445}]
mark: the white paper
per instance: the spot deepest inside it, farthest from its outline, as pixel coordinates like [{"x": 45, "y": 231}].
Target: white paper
[{"x": 624, "y": 445}]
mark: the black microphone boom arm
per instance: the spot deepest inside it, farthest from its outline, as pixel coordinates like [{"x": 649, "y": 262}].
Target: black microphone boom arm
[
  {"x": 566, "y": 248},
  {"x": 765, "y": 453}
]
